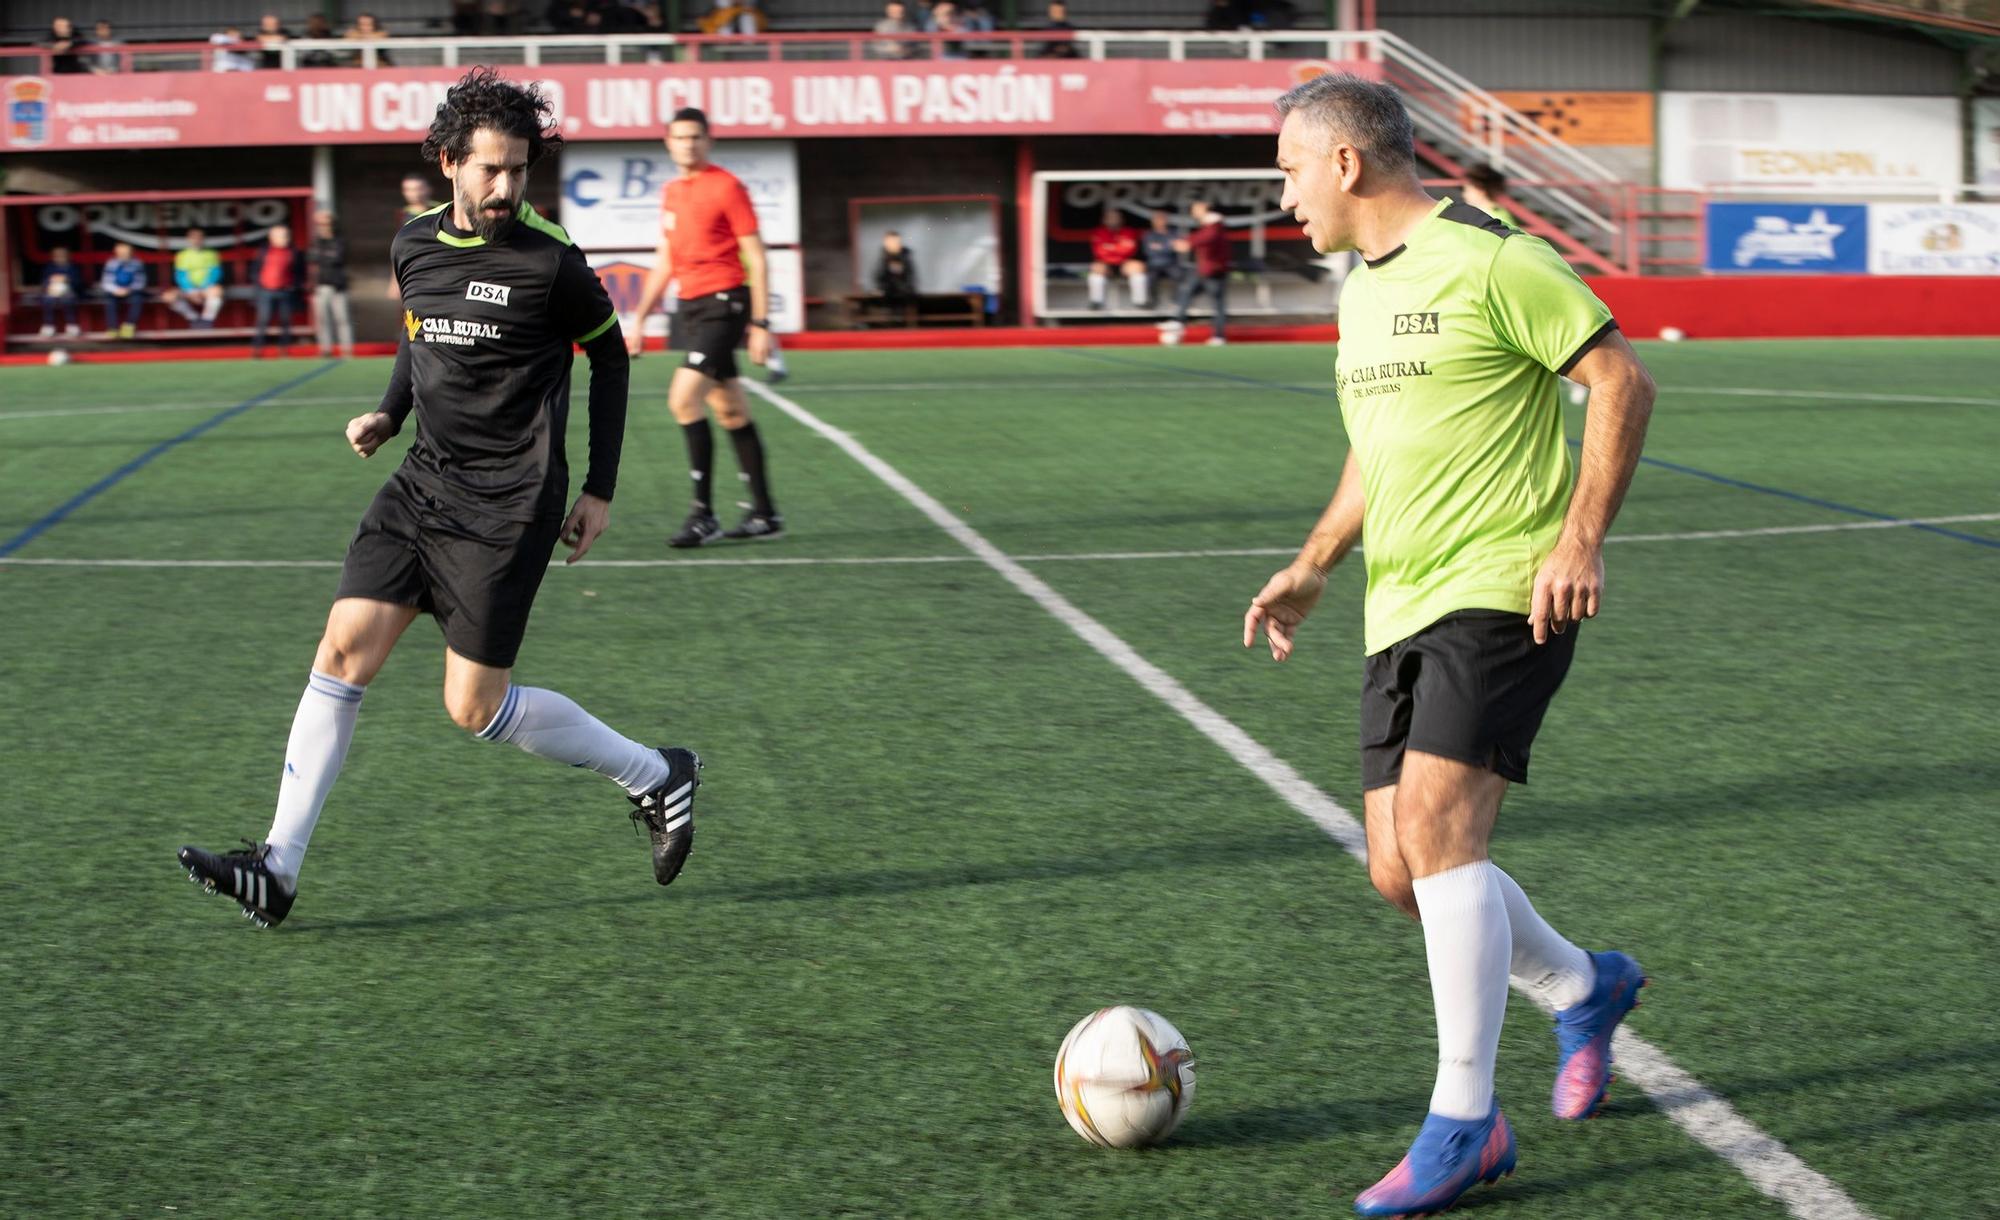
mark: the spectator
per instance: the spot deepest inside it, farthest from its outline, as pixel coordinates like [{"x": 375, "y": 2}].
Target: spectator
[
  {"x": 1058, "y": 22},
  {"x": 620, "y": 18},
  {"x": 104, "y": 44},
  {"x": 945, "y": 20},
  {"x": 1225, "y": 15},
  {"x": 975, "y": 18},
  {"x": 734, "y": 17},
  {"x": 1486, "y": 189},
  {"x": 367, "y": 29},
  {"x": 281, "y": 275},
  {"x": 896, "y": 271},
  {"x": 59, "y": 293},
  {"x": 416, "y": 198},
  {"x": 272, "y": 35},
  {"x": 1209, "y": 243},
  {"x": 318, "y": 29},
  {"x": 228, "y": 56},
  {"x": 1114, "y": 247},
  {"x": 332, "y": 319},
  {"x": 1158, "y": 251},
  {"x": 895, "y": 20},
  {"x": 197, "y": 275},
  {"x": 62, "y": 41},
  {"x": 124, "y": 287}
]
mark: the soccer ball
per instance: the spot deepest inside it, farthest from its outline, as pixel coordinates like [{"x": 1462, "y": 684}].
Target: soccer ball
[
  {"x": 1672, "y": 334},
  {"x": 59, "y": 356},
  {"x": 1124, "y": 1077}
]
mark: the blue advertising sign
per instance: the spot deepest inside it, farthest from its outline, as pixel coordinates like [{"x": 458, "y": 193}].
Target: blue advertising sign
[{"x": 1787, "y": 237}]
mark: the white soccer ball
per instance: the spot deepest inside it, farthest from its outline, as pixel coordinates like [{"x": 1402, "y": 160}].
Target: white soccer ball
[
  {"x": 1124, "y": 1077},
  {"x": 1672, "y": 334},
  {"x": 58, "y": 356}
]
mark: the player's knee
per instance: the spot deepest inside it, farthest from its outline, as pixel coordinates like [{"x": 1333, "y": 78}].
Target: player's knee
[
  {"x": 340, "y": 656},
  {"x": 471, "y": 710},
  {"x": 731, "y": 416},
  {"x": 1392, "y": 881}
]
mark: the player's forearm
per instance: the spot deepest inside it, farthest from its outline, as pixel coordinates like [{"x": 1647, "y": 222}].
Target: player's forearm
[
  {"x": 1614, "y": 431},
  {"x": 756, "y": 272},
  {"x": 610, "y": 382},
  {"x": 1339, "y": 526},
  {"x": 399, "y": 398}
]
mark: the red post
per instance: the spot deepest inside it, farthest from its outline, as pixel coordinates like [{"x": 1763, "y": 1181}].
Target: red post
[{"x": 1025, "y": 290}]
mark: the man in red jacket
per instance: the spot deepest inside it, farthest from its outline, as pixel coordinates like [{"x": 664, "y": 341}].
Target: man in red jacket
[
  {"x": 1114, "y": 246},
  {"x": 1210, "y": 245}
]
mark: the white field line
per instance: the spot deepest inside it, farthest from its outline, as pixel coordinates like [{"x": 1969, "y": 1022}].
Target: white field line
[
  {"x": 870, "y": 561},
  {"x": 960, "y": 390},
  {"x": 1768, "y": 1164}
]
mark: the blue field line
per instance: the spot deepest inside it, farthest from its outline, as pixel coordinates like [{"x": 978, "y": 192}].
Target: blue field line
[
  {"x": 1663, "y": 464},
  {"x": 55, "y": 516}
]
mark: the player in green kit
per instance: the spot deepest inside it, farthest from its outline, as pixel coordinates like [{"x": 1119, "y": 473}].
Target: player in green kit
[{"x": 1482, "y": 561}]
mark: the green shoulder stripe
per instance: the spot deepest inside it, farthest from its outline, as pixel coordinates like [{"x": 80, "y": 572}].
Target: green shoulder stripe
[
  {"x": 600, "y": 328},
  {"x": 432, "y": 212},
  {"x": 535, "y": 220}
]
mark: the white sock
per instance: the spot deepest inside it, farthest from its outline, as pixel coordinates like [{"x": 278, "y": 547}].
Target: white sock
[
  {"x": 181, "y": 307},
  {"x": 1141, "y": 290},
  {"x": 210, "y": 307},
  {"x": 550, "y": 725},
  {"x": 1467, "y": 942},
  {"x": 1544, "y": 962},
  {"x": 321, "y": 731},
  {"x": 1097, "y": 287}
]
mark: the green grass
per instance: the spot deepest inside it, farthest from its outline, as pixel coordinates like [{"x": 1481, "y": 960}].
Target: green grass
[{"x": 937, "y": 828}]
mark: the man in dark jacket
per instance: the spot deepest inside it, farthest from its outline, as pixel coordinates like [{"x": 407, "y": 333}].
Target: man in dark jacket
[
  {"x": 1209, "y": 243},
  {"x": 332, "y": 320}
]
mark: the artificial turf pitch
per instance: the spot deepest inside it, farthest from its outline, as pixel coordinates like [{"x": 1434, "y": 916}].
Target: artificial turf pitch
[{"x": 936, "y": 828}]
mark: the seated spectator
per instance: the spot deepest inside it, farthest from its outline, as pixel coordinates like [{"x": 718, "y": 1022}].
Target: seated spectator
[
  {"x": 197, "y": 276},
  {"x": 228, "y": 57},
  {"x": 59, "y": 293},
  {"x": 62, "y": 40},
  {"x": 280, "y": 276},
  {"x": 895, "y": 20},
  {"x": 104, "y": 44},
  {"x": 367, "y": 29},
  {"x": 318, "y": 29},
  {"x": 1159, "y": 249},
  {"x": 896, "y": 270},
  {"x": 271, "y": 35},
  {"x": 1058, "y": 21},
  {"x": 1114, "y": 249},
  {"x": 124, "y": 287}
]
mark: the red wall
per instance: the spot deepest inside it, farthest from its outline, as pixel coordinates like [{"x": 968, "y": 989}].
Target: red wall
[{"x": 1804, "y": 306}]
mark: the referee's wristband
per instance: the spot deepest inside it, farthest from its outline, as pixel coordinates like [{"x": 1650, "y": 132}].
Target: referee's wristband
[{"x": 761, "y": 323}]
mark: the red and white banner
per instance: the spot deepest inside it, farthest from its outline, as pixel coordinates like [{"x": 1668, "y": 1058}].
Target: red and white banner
[{"x": 352, "y": 106}]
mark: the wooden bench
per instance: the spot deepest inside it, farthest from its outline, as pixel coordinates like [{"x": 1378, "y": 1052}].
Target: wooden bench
[{"x": 872, "y": 309}]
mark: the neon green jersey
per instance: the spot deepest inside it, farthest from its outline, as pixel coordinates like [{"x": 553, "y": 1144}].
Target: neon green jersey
[
  {"x": 197, "y": 269},
  {"x": 1450, "y": 350}
]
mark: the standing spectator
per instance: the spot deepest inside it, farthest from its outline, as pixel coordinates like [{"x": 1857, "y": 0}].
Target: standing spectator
[
  {"x": 416, "y": 198},
  {"x": 228, "y": 56},
  {"x": 332, "y": 319},
  {"x": 318, "y": 29},
  {"x": 124, "y": 287},
  {"x": 367, "y": 29},
  {"x": 59, "y": 292},
  {"x": 1058, "y": 22},
  {"x": 197, "y": 274},
  {"x": 272, "y": 35},
  {"x": 1486, "y": 189},
  {"x": 1209, "y": 244},
  {"x": 896, "y": 271},
  {"x": 281, "y": 274},
  {"x": 1158, "y": 250},
  {"x": 62, "y": 41},
  {"x": 945, "y": 20},
  {"x": 104, "y": 44},
  {"x": 895, "y": 20},
  {"x": 1115, "y": 247}
]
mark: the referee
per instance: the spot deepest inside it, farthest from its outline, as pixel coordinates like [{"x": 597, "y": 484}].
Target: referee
[
  {"x": 493, "y": 296},
  {"x": 1482, "y": 562},
  {"x": 710, "y": 247}
]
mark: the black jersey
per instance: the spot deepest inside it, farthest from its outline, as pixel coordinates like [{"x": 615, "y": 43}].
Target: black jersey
[{"x": 487, "y": 329}]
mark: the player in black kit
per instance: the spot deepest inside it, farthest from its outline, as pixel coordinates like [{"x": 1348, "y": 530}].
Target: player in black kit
[{"x": 493, "y": 297}]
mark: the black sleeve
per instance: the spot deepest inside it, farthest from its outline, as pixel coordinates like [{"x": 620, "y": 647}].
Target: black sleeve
[
  {"x": 397, "y": 400},
  {"x": 580, "y": 308}
]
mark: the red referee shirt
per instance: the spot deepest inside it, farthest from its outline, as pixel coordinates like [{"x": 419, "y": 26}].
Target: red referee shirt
[{"x": 702, "y": 216}]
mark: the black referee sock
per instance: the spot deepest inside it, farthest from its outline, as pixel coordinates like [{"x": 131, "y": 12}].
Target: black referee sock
[
  {"x": 701, "y": 462},
  {"x": 750, "y": 460}
]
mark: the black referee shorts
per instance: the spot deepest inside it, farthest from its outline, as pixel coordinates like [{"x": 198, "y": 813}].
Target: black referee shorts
[
  {"x": 476, "y": 574},
  {"x": 1472, "y": 686},
  {"x": 712, "y": 328}
]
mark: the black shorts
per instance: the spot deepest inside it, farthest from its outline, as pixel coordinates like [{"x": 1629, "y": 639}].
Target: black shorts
[
  {"x": 476, "y": 574},
  {"x": 712, "y": 328},
  {"x": 1472, "y": 686}
]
